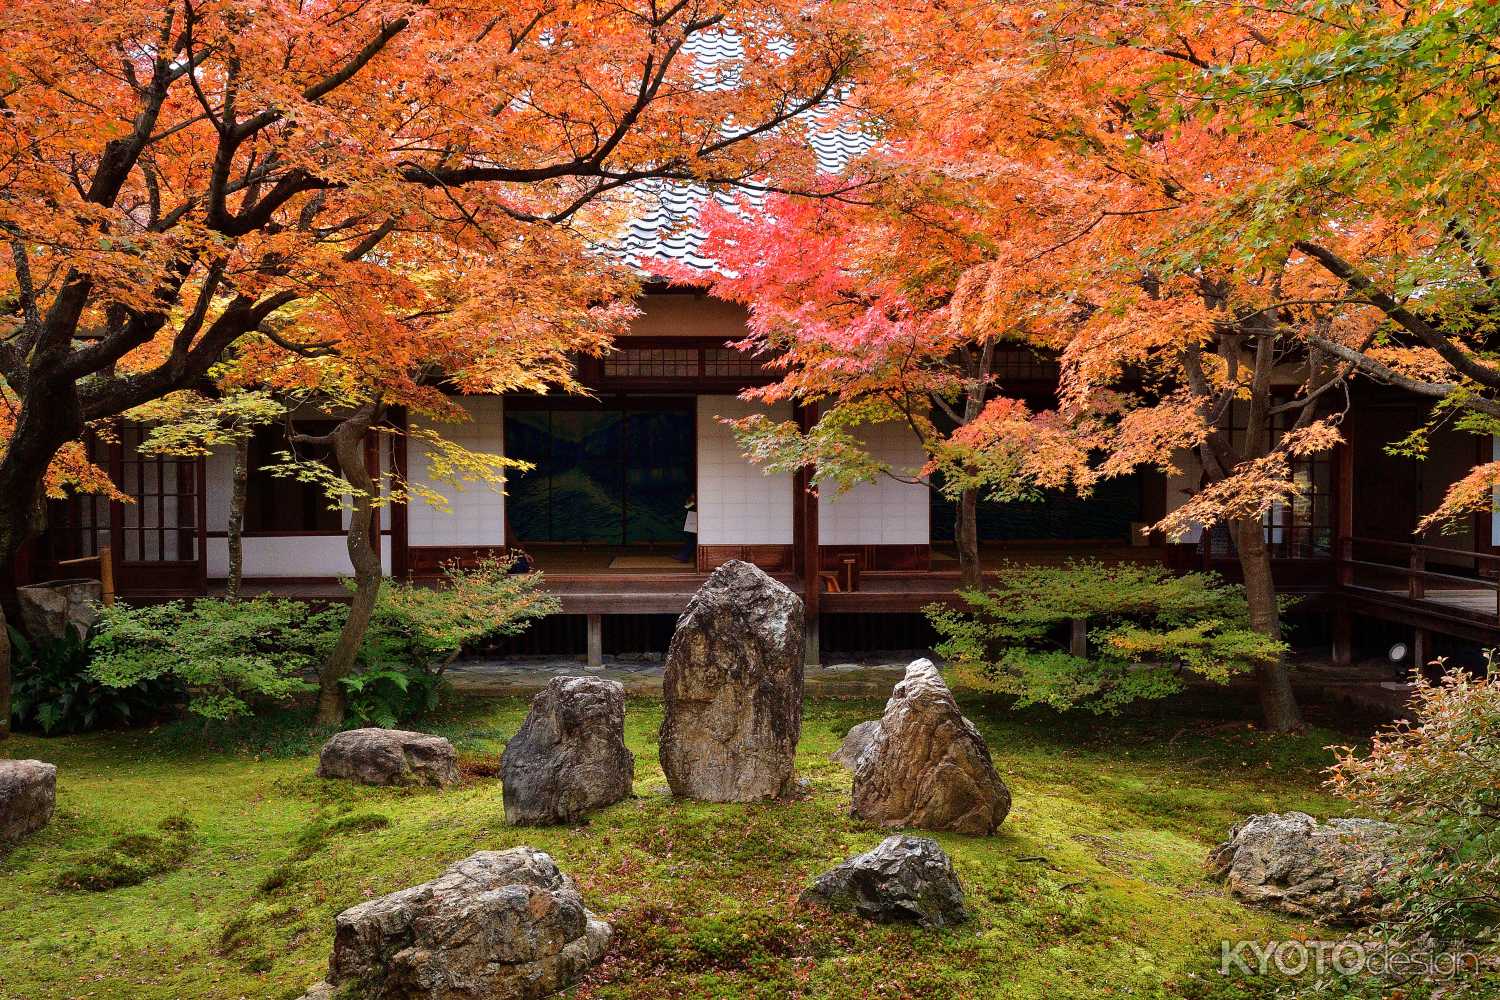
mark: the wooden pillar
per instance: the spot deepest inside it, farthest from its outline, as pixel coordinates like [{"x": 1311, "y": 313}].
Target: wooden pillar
[
  {"x": 596, "y": 642},
  {"x": 1343, "y": 638},
  {"x": 1343, "y": 513},
  {"x": 1421, "y": 648},
  {"x": 1078, "y": 641},
  {"x": 805, "y": 543}
]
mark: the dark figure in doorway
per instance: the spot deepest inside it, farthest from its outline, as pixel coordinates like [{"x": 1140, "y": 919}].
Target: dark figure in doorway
[
  {"x": 520, "y": 559},
  {"x": 689, "y": 550}
]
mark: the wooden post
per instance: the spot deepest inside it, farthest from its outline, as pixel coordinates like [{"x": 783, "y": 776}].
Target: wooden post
[
  {"x": 1415, "y": 585},
  {"x": 596, "y": 642},
  {"x": 1078, "y": 642},
  {"x": 806, "y": 500},
  {"x": 107, "y": 575},
  {"x": 1421, "y": 648},
  {"x": 1343, "y": 638},
  {"x": 1344, "y": 557}
]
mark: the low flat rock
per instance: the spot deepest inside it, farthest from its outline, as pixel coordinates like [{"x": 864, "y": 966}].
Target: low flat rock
[
  {"x": 28, "y": 797},
  {"x": 499, "y": 925},
  {"x": 1290, "y": 862},
  {"x": 389, "y": 757},
  {"x": 924, "y": 765},
  {"x": 569, "y": 757},
  {"x": 733, "y": 689},
  {"x": 905, "y": 879}
]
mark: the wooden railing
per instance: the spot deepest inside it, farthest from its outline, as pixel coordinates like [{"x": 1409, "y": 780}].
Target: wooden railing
[{"x": 1409, "y": 562}]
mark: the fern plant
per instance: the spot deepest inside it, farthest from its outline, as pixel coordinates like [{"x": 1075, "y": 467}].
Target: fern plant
[
  {"x": 55, "y": 694},
  {"x": 417, "y": 631}
]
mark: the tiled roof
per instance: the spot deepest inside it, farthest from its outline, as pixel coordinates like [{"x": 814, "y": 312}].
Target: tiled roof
[{"x": 662, "y": 220}]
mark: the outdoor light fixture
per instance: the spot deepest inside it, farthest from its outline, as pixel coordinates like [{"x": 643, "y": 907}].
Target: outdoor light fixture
[{"x": 1398, "y": 653}]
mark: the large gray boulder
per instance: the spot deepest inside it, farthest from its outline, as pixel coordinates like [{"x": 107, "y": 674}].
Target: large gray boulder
[
  {"x": 856, "y": 742},
  {"x": 49, "y": 609},
  {"x": 499, "y": 925},
  {"x": 569, "y": 757},
  {"x": 389, "y": 757},
  {"x": 925, "y": 765},
  {"x": 904, "y": 879},
  {"x": 28, "y": 797},
  {"x": 1330, "y": 872},
  {"x": 733, "y": 689}
]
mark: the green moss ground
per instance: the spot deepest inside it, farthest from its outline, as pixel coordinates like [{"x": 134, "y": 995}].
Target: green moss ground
[{"x": 1095, "y": 886}]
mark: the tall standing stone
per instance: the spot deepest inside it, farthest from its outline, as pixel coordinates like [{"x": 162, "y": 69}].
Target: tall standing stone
[
  {"x": 926, "y": 765},
  {"x": 733, "y": 689},
  {"x": 569, "y": 756}
]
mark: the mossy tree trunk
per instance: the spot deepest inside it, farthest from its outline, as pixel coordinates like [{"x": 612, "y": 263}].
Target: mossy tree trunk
[
  {"x": 236, "y": 528},
  {"x": 348, "y": 442}
]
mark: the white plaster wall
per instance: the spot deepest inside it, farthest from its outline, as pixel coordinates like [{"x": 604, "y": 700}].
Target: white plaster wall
[
  {"x": 274, "y": 556},
  {"x": 883, "y": 512},
  {"x": 278, "y": 556},
  {"x": 1495, "y": 499},
  {"x": 738, "y": 503},
  {"x": 476, "y": 511},
  {"x": 1181, "y": 486}
]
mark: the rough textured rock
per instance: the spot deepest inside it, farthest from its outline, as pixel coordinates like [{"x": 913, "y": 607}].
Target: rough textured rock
[
  {"x": 569, "y": 756},
  {"x": 28, "y": 796},
  {"x": 733, "y": 689},
  {"x": 904, "y": 879},
  {"x": 856, "y": 742},
  {"x": 926, "y": 765},
  {"x": 389, "y": 757},
  {"x": 48, "y": 609},
  {"x": 1292, "y": 863},
  {"x": 507, "y": 925}
]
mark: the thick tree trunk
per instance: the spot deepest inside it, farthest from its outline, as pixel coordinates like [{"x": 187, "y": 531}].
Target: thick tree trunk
[
  {"x": 1273, "y": 683},
  {"x": 236, "y": 530},
  {"x": 49, "y": 417},
  {"x": 966, "y": 534},
  {"x": 349, "y": 449},
  {"x": 5, "y": 682}
]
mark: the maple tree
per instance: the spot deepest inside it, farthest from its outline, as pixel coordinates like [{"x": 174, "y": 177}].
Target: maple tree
[
  {"x": 381, "y": 363},
  {"x": 177, "y": 174},
  {"x": 1393, "y": 206},
  {"x": 862, "y": 337},
  {"x": 192, "y": 424},
  {"x": 1063, "y": 179}
]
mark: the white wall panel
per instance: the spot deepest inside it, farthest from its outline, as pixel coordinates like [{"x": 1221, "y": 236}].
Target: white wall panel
[
  {"x": 283, "y": 556},
  {"x": 883, "y": 512},
  {"x": 278, "y": 555},
  {"x": 476, "y": 514},
  {"x": 738, "y": 503}
]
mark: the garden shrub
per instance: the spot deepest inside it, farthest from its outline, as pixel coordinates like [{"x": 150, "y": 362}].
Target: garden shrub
[
  {"x": 227, "y": 655},
  {"x": 129, "y": 859},
  {"x": 1148, "y": 630},
  {"x": 417, "y": 631},
  {"x": 55, "y": 693},
  {"x": 1438, "y": 776}
]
